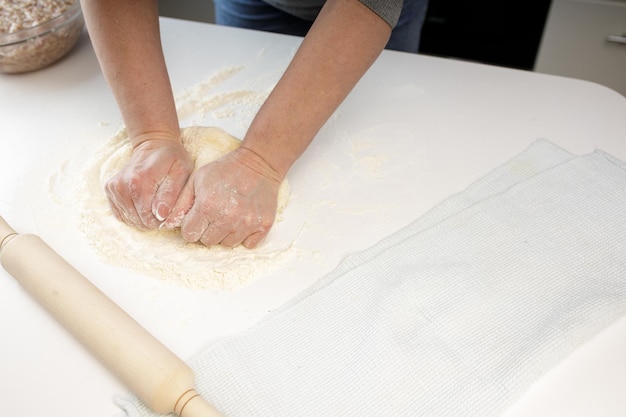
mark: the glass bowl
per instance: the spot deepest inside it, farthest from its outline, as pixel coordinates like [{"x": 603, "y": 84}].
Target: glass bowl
[{"x": 36, "y": 47}]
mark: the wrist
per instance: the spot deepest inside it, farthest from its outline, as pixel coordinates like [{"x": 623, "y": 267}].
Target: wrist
[
  {"x": 255, "y": 162},
  {"x": 273, "y": 149},
  {"x": 156, "y": 135}
]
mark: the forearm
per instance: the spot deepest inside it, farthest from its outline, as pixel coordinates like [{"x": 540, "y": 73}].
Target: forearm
[
  {"x": 125, "y": 35},
  {"x": 344, "y": 42}
]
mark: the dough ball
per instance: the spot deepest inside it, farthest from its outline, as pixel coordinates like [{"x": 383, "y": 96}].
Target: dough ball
[{"x": 205, "y": 144}]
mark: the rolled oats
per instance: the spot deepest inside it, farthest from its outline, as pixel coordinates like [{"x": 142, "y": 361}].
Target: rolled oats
[{"x": 26, "y": 43}]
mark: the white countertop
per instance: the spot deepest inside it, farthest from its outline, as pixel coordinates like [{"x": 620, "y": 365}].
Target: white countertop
[{"x": 434, "y": 125}]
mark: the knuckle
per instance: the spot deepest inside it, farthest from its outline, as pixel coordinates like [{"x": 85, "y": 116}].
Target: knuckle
[
  {"x": 134, "y": 187},
  {"x": 188, "y": 235},
  {"x": 113, "y": 187}
]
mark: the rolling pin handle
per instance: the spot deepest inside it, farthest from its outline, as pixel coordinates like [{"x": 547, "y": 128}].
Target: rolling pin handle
[
  {"x": 193, "y": 405},
  {"x": 6, "y": 233},
  {"x": 146, "y": 366}
]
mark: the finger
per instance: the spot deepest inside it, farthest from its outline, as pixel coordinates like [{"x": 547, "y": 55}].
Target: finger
[
  {"x": 142, "y": 197},
  {"x": 124, "y": 212},
  {"x": 168, "y": 192},
  {"x": 180, "y": 208},
  {"x": 254, "y": 239},
  {"x": 232, "y": 240},
  {"x": 164, "y": 199},
  {"x": 214, "y": 234},
  {"x": 194, "y": 224}
]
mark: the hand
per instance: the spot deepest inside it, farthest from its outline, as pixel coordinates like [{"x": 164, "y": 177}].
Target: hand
[
  {"x": 229, "y": 201},
  {"x": 144, "y": 191}
]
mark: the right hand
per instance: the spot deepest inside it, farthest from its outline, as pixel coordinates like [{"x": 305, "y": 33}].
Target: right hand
[
  {"x": 229, "y": 201},
  {"x": 145, "y": 190}
]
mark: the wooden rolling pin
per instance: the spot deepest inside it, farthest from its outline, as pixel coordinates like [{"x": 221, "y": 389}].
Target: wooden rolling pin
[{"x": 150, "y": 370}]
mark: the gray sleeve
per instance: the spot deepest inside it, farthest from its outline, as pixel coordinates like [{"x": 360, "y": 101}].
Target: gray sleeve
[{"x": 388, "y": 10}]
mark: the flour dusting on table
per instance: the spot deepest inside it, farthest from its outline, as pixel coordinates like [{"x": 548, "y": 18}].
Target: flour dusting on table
[
  {"x": 161, "y": 253},
  {"x": 341, "y": 172}
]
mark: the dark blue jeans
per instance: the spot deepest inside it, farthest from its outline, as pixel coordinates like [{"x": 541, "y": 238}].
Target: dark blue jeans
[{"x": 256, "y": 14}]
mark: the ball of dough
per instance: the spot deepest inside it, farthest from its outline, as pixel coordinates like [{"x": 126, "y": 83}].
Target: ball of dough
[{"x": 205, "y": 144}]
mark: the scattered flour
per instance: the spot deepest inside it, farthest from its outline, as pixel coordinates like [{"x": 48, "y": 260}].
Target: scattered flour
[
  {"x": 340, "y": 176},
  {"x": 161, "y": 253}
]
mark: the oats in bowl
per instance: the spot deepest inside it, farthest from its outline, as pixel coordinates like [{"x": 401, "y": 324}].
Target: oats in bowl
[{"x": 36, "y": 33}]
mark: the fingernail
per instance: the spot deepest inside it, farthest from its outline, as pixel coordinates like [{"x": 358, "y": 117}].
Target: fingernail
[
  {"x": 173, "y": 221},
  {"x": 161, "y": 212}
]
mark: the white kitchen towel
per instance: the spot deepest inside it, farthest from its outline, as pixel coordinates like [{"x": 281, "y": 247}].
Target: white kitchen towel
[{"x": 455, "y": 315}]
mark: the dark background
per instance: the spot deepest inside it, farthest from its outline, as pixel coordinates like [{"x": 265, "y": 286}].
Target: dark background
[
  {"x": 505, "y": 33},
  {"x": 498, "y": 32}
]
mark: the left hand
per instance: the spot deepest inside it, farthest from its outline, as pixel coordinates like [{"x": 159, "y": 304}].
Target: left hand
[
  {"x": 229, "y": 202},
  {"x": 145, "y": 189}
]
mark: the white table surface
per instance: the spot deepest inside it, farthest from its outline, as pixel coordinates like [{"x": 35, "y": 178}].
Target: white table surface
[{"x": 434, "y": 125}]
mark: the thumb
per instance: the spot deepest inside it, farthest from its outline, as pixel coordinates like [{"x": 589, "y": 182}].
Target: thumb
[
  {"x": 168, "y": 190},
  {"x": 180, "y": 206}
]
